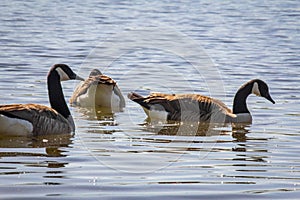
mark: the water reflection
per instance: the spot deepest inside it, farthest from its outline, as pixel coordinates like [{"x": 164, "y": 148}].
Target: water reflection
[
  {"x": 63, "y": 140},
  {"x": 239, "y": 132},
  {"x": 248, "y": 148},
  {"x": 33, "y": 152},
  {"x": 198, "y": 129},
  {"x": 97, "y": 120},
  {"x": 51, "y": 143},
  {"x": 97, "y": 113}
]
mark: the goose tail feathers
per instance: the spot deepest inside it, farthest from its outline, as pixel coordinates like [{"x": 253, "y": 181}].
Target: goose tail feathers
[
  {"x": 134, "y": 96},
  {"x": 138, "y": 99}
]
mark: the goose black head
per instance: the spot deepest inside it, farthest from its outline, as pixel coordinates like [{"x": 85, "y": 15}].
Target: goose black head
[
  {"x": 260, "y": 88},
  {"x": 65, "y": 72}
]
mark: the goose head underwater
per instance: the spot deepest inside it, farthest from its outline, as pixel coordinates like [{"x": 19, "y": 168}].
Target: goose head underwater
[
  {"x": 200, "y": 108},
  {"x": 98, "y": 90},
  {"x": 35, "y": 119}
]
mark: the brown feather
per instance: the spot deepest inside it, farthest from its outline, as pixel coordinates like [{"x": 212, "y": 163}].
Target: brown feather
[
  {"x": 45, "y": 120},
  {"x": 94, "y": 84},
  {"x": 92, "y": 80},
  {"x": 189, "y": 107}
]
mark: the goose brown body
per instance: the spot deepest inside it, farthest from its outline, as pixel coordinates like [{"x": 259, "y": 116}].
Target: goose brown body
[
  {"x": 98, "y": 90},
  {"x": 184, "y": 107},
  {"x": 44, "y": 120},
  {"x": 195, "y": 107}
]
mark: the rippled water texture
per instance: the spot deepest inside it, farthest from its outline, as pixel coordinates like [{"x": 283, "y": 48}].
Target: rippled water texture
[{"x": 207, "y": 47}]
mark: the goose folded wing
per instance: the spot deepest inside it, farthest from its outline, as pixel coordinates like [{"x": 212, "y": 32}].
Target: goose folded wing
[
  {"x": 118, "y": 92},
  {"x": 45, "y": 120}
]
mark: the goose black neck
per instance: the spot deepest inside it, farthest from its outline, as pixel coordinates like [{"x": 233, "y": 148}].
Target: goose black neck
[
  {"x": 56, "y": 95},
  {"x": 239, "y": 102}
]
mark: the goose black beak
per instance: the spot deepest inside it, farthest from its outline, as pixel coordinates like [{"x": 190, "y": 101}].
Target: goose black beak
[
  {"x": 268, "y": 96},
  {"x": 79, "y": 78}
]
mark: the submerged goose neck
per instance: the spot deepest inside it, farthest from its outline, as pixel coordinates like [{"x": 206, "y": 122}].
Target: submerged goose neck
[
  {"x": 56, "y": 96},
  {"x": 239, "y": 102}
]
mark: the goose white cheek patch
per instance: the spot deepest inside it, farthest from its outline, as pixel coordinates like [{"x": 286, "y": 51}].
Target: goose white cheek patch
[
  {"x": 255, "y": 89},
  {"x": 62, "y": 74}
]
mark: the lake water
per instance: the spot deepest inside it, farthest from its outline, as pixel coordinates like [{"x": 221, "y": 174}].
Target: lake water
[{"x": 207, "y": 47}]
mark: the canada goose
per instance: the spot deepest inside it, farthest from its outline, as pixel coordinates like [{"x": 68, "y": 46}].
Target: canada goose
[
  {"x": 98, "y": 90},
  {"x": 35, "y": 119},
  {"x": 193, "y": 107}
]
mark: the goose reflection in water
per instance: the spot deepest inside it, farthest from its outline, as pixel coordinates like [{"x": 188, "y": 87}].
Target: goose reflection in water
[
  {"x": 54, "y": 146},
  {"x": 238, "y": 134},
  {"x": 96, "y": 113},
  {"x": 97, "y": 120},
  {"x": 53, "y": 141},
  {"x": 197, "y": 128}
]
